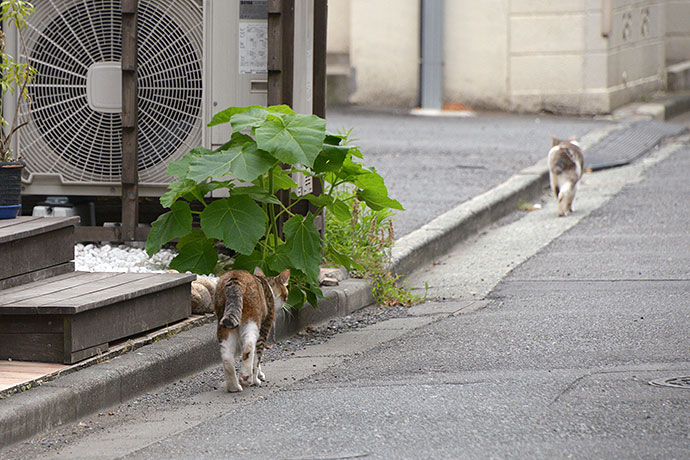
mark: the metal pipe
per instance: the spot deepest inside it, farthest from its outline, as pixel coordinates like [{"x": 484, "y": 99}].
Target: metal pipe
[{"x": 431, "y": 74}]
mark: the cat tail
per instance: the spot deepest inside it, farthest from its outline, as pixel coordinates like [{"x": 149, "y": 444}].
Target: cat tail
[{"x": 233, "y": 304}]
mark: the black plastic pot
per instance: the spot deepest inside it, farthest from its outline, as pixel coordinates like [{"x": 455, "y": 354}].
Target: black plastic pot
[{"x": 11, "y": 183}]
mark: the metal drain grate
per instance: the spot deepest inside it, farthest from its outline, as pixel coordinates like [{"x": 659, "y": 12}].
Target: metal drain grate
[
  {"x": 673, "y": 382},
  {"x": 626, "y": 145}
]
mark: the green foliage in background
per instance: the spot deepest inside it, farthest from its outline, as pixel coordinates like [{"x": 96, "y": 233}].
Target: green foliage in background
[
  {"x": 14, "y": 76},
  {"x": 366, "y": 238}
]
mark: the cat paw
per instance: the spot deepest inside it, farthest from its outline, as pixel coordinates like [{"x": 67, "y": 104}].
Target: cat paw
[
  {"x": 245, "y": 380},
  {"x": 234, "y": 388}
]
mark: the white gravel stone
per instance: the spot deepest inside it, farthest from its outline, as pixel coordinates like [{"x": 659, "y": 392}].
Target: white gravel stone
[{"x": 108, "y": 258}]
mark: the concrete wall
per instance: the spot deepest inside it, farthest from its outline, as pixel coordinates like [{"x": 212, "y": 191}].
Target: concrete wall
[
  {"x": 338, "y": 35},
  {"x": 560, "y": 61},
  {"x": 677, "y": 31},
  {"x": 476, "y": 47},
  {"x": 384, "y": 52},
  {"x": 523, "y": 55}
]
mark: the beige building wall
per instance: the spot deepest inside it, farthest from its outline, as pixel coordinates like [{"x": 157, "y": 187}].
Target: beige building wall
[
  {"x": 521, "y": 55},
  {"x": 338, "y": 34},
  {"x": 384, "y": 52},
  {"x": 476, "y": 47},
  {"x": 677, "y": 31},
  {"x": 560, "y": 61}
]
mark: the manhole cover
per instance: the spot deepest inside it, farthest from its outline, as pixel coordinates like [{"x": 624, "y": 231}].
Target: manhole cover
[{"x": 673, "y": 382}]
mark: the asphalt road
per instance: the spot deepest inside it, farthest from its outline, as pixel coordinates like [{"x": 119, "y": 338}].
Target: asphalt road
[
  {"x": 543, "y": 348},
  {"x": 433, "y": 164}
]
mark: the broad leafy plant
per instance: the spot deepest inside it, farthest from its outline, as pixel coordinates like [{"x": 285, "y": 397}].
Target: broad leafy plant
[{"x": 267, "y": 147}]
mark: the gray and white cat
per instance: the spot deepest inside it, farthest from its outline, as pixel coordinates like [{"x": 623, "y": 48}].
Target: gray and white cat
[{"x": 565, "y": 170}]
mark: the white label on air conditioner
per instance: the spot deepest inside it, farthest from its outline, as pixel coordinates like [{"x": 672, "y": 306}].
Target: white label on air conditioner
[{"x": 253, "y": 47}]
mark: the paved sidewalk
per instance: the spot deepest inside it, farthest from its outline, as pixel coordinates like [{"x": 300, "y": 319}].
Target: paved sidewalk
[{"x": 453, "y": 175}]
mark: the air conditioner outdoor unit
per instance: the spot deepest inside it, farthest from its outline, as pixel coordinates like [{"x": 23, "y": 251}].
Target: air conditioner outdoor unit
[{"x": 195, "y": 58}]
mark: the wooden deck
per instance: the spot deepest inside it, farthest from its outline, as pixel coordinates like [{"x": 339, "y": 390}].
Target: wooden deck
[
  {"x": 13, "y": 373},
  {"x": 17, "y": 374},
  {"x": 35, "y": 248},
  {"x": 74, "y": 316}
]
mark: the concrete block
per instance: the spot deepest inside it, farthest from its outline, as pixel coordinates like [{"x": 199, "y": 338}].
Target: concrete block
[
  {"x": 547, "y": 34},
  {"x": 546, "y": 6},
  {"x": 546, "y": 73},
  {"x": 678, "y": 76}
]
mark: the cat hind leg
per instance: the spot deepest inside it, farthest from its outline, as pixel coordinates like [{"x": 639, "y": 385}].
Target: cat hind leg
[
  {"x": 250, "y": 333},
  {"x": 228, "y": 348},
  {"x": 565, "y": 199}
]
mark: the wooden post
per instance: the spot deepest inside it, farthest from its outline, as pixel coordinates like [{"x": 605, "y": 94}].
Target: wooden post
[
  {"x": 281, "y": 44},
  {"x": 319, "y": 74},
  {"x": 319, "y": 87},
  {"x": 130, "y": 160},
  {"x": 280, "y": 65}
]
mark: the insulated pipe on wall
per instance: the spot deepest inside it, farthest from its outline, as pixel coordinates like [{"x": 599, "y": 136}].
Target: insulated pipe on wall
[{"x": 431, "y": 72}]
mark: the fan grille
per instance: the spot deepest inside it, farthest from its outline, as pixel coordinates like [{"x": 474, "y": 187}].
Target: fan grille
[{"x": 67, "y": 136}]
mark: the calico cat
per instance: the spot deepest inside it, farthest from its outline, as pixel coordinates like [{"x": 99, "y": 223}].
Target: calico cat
[
  {"x": 565, "y": 170},
  {"x": 245, "y": 307}
]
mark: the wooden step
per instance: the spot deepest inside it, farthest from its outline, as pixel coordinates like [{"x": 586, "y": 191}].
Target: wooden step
[
  {"x": 35, "y": 248},
  {"x": 76, "y": 315}
]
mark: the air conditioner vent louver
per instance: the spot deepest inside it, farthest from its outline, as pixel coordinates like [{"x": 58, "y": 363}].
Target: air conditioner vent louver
[{"x": 75, "y": 128}]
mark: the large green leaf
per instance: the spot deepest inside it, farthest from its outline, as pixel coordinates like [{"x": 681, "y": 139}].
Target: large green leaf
[
  {"x": 180, "y": 168},
  {"x": 331, "y": 158},
  {"x": 256, "y": 193},
  {"x": 238, "y": 221},
  {"x": 282, "y": 180},
  {"x": 196, "y": 254},
  {"x": 295, "y": 298},
  {"x": 252, "y": 118},
  {"x": 377, "y": 201},
  {"x": 190, "y": 190},
  {"x": 293, "y": 139},
  {"x": 280, "y": 109},
  {"x": 303, "y": 245},
  {"x": 374, "y": 192},
  {"x": 173, "y": 224},
  {"x": 245, "y": 162},
  {"x": 249, "y": 262},
  {"x": 224, "y": 116},
  {"x": 175, "y": 191},
  {"x": 318, "y": 201},
  {"x": 340, "y": 210}
]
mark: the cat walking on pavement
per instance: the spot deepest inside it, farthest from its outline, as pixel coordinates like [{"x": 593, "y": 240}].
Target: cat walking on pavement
[
  {"x": 565, "y": 170},
  {"x": 245, "y": 307}
]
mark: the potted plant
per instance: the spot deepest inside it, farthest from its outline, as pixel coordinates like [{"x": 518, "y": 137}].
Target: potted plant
[{"x": 14, "y": 79}]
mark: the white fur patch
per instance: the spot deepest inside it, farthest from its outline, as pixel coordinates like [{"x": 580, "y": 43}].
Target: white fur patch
[
  {"x": 250, "y": 333},
  {"x": 229, "y": 347},
  {"x": 553, "y": 151}
]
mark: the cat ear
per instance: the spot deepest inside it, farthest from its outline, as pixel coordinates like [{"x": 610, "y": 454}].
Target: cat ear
[
  {"x": 259, "y": 272},
  {"x": 555, "y": 142},
  {"x": 284, "y": 277},
  {"x": 573, "y": 138}
]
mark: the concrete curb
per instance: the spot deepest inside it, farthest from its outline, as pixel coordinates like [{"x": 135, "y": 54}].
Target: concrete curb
[
  {"x": 663, "y": 108},
  {"x": 123, "y": 377},
  {"x": 676, "y": 105},
  {"x": 434, "y": 239},
  {"x": 425, "y": 245}
]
